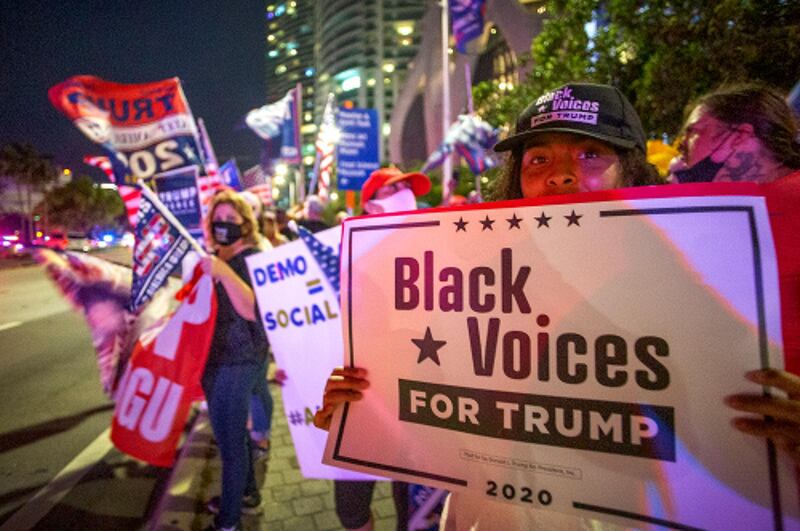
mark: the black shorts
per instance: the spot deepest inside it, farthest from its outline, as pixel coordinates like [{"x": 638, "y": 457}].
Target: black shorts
[{"x": 353, "y": 499}]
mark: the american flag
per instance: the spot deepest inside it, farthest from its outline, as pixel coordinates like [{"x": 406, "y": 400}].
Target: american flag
[
  {"x": 207, "y": 186},
  {"x": 326, "y": 141},
  {"x": 158, "y": 251},
  {"x": 130, "y": 195},
  {"x": 472, "y": 138},
  {"x": 264, "y": 193},
  {"x": 253, "y": 176},
  {"x": 326, "y": 256}
]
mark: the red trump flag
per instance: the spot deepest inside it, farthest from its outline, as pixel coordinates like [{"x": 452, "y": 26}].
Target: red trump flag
[{"x": 163, "y": 377}]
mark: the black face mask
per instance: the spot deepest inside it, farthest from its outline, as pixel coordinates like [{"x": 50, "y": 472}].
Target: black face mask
[
  {"x": 225, "y": 233},
  {"x": 702, "y": 172}
]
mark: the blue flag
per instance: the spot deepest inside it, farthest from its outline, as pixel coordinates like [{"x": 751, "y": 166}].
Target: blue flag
[
  {"x": 467, "y": 17},
  {"x": 158, "y": 251},
  {"x": 230, "y": 175},
  {"x": 290, "y": 131}
]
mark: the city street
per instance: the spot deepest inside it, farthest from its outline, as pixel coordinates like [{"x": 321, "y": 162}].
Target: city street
[{"x": 58, "y": 469}]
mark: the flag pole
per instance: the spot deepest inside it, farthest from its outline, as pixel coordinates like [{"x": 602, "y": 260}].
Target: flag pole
[
  {"x": 447, "y": 167},
  {"x": 164, "y": 211},
  {"x": 210, "y": 159},
  {"x": 301, "y": 176},
  {"x": 468, "y": 80},
  {"x": 318, "y": 157},
  {"x": 471, "y": 108}
]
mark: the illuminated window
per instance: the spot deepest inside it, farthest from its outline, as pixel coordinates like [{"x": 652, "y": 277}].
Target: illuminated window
[{"x": 405, "y": 28}]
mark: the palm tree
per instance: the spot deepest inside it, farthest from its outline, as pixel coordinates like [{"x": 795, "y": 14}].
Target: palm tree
[{"x": 30, "y": 172}]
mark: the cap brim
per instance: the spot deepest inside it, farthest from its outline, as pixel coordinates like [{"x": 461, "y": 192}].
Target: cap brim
[
  {"x": 420, "y": 183},
  {"x": 521, "y": 138}
]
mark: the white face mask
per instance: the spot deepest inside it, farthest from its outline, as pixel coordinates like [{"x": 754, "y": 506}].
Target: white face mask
[{"x": 397, "y": 202}]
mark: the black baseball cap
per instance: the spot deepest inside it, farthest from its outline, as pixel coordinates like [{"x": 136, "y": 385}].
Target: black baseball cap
[{"x": 598, "y": 111}]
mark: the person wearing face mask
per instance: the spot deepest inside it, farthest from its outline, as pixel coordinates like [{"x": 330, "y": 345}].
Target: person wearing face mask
[
  {"x": 237, "y": 354},
  {"x": 390, "y": 190},
  {"x": 551, "y": 153},
  {"x": 748, "y": 132},
  {"x": 386, "y": 190},
  {"x": 744, "y": 132}
]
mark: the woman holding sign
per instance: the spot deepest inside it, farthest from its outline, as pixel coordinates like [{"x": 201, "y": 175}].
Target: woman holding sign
[
  {"x": 236, "y": 356},
  {"x": 748, "y": 132},
  {"x": 556, "y": 149}
]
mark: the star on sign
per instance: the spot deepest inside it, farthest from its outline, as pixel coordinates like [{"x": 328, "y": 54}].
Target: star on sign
[
  {"x": 487, "y": 223},
  {"x": 513, "y": 222},
  {"x": 544, "y": 221},
  {"x": 461, "y": 224},
  {"x": 428, "y": 347},
  {"x": 189, "y": 152},
  {"x": 573, "y": 219}
]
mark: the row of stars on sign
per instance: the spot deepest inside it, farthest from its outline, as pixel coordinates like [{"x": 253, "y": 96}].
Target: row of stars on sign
[{"x": 514, "y": 222}]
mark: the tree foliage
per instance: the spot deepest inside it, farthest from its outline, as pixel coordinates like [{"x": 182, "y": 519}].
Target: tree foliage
[
  {"x": 28, "y": 172},
  {"x": 662, "y": 54},
  {"x": 81, "y": 205}
]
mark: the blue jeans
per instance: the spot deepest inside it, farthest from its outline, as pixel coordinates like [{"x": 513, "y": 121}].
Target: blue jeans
[
  {"x": 228, "y": 389},
  {"x": 261, "y": 404}
]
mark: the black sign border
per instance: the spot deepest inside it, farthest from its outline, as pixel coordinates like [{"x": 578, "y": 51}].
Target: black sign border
[{"x": 762, "y": 338}]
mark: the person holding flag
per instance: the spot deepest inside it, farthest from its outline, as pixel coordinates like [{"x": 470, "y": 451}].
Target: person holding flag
[{"x": 238, "y": 351}]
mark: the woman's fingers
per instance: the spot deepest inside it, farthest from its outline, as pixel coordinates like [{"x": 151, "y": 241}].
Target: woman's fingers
[
  {"x": 772, "y": 406},
  {"x": 344, "y": 385},
  {"x": 783, "y": 380},
  {"x": 353, "y": 372}
]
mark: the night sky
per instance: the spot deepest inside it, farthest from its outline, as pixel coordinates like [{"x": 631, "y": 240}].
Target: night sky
[{"x": 215, "y": 48}]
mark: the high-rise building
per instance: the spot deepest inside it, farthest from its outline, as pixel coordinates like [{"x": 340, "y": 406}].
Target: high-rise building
[
  {"x": 416, "y": 122},
  {"x": 290, "y": 59},
  {"x": 363, "y": 52}
]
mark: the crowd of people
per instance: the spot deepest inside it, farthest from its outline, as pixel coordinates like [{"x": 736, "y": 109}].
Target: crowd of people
[{"x": 737, "y": 133}]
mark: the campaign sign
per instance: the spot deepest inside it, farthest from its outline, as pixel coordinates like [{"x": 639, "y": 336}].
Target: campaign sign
[
  {"x": 357, "y": 151},
  {"x": 145, "y": 128},
  {"x": 300, "y": 313},
  {"x": 177, "y": 189},
  {"x": 569, "y": 356}
]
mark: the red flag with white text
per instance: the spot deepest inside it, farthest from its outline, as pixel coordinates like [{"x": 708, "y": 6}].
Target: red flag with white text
[{"x": 163, "y": 377}]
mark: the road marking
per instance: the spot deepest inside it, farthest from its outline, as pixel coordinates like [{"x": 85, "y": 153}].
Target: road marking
[
  {"x": 48, "y": 497},
  {"x": 11, "y": 324}
]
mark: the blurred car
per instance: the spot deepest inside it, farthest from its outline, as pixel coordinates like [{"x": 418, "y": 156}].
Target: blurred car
[
  {"x": 79, "y": 242},
  {"x": 55, "y": 240},
  {"x": 12, "y": 247}
]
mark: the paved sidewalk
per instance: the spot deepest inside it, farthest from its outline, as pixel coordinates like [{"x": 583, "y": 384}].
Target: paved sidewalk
[{"x": 291, "y": 503}]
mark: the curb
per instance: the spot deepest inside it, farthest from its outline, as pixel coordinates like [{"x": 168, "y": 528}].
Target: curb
[{"x": 184, "y": 491}]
